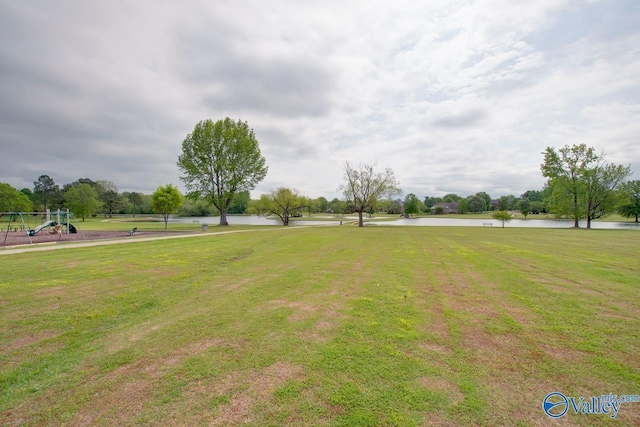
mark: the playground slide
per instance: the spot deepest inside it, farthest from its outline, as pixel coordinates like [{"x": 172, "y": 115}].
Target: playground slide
[{"x": 40, "y": 227}]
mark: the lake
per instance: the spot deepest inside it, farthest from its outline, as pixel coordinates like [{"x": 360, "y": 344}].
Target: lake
[{"x": 421, "y": 221}]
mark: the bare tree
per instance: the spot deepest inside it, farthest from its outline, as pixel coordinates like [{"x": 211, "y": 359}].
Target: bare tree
[{"x": 364, "y": 187}]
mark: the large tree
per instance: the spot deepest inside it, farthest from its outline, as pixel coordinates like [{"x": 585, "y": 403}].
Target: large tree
[
  {"x": 583, "y": 184},
  {"x": 477, "y": 204},
  {"x": 565, "y": 169},
  {"x": 166, "y": 200},
  {"x": 630, "y": 200},
  {"x": 12, "y": 200},
  {"x": 282, "y": 202},
  {"x": 108, "y": 195},
  {"x": 411, "y": 204},
  {"x": 82, "y": 199},
  {"x": 364, "y": 187},
  {"x": 602, "y": 182},
  {"x": 219, "y": 160},
  {"x": 135, "y": 199},
  {"x": 46, "y": 192}
]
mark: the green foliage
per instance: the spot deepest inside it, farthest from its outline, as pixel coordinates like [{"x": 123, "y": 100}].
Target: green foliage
[
  {"x": 451, "y": 197},
  {"x": 477, "y": 204},
  {"x": 582, "y": 184},
  {"x": 82, "y": 200},
  {"x": 166, "y": 200},
  {"x": 463, "y": 206},
  {"x": 47, "y": 193},
  {"x": 502, "y": 216},
  {"x": 364, "y": 187},
  {"x": 12, "y": 200},
  {"x": 524, "y": 205},
  {"x": 411, "y": 204},
  {"x": 630, "y": 200},
  {"x": 282, "y": 202},
  {"x": 240, "y": 202},
  {"x": 197, "y": 208},
  {"x": 108, "y": 195},
  {"x": 219, "y": 160},
  {"x": 487, "y": 200},
  {"x": 430, "y": 201}
]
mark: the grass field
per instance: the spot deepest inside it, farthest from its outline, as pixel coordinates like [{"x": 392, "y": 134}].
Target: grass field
[{"x": 323, "y": 326}]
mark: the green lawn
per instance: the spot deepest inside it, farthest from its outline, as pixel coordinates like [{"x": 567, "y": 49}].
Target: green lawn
[{"x": 322, "y": 326}]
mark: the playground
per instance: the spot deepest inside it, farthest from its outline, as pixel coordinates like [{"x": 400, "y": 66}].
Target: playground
[{"x": 27, "y": 228}]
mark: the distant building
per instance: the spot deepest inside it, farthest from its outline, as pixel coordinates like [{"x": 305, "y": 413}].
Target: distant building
[{"x": 447, "y": 207}]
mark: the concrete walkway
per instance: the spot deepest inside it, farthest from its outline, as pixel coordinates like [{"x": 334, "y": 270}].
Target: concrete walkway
[{"x": 38, "y": 247}]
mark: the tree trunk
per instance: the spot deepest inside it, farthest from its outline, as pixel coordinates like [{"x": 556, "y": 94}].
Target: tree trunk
[
  {"x": 588, "y": 222},
  {"x": 360, "y": 221},
  {"x": 285, "y": 220},
  {"x": 223, "y": 217}
]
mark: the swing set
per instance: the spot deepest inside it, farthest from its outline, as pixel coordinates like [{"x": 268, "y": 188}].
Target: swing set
[{"x": 60, "y": 225}]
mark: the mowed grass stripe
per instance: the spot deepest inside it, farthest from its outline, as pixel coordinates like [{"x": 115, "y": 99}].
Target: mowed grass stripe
[{"x": 321, "y": 326}]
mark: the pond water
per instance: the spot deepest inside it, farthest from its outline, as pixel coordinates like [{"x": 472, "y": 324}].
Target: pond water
[
  {"x": 424, "y": 222},
  {"x": 528, "y": 223},
  {"x": 243, "y": 220}
]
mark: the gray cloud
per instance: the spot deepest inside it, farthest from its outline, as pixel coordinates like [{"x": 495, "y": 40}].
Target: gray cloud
[{"x": 455, "y": 99}]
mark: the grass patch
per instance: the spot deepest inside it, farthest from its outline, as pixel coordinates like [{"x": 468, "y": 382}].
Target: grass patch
[{"x": 322, "y": 326}]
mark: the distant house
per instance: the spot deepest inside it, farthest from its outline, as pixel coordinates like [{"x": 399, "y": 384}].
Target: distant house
[{"x": 447, "y": 207}]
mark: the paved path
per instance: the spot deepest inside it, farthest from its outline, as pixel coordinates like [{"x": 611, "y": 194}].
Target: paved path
[{"x": 67, "y": 245}]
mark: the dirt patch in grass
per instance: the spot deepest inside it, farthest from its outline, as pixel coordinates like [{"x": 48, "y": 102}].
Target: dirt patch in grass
[
  {"x": 443, "y": 385},
  {"x": 26, "y": 340}
]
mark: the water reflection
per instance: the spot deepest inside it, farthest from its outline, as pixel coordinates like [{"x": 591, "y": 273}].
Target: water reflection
[
  {"x": 424, "y": 222},
  {"x": 525, "y": 223}
]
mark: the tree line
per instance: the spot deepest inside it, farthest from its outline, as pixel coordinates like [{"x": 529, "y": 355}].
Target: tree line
[{"x": 221, "y": 162}]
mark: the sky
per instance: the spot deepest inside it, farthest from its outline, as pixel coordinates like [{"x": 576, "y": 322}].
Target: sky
[{"x": 454, "y": 97}]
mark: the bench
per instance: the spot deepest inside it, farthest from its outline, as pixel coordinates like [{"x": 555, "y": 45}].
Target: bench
[
  {"x": 195, "y": 221},
  {"x": 487, "y": 224},
  {"x": 133, "y": 231}
]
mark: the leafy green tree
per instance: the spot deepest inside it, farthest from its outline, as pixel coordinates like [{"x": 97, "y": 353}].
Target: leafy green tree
[
  {"x": 536, "y": 207},
  {"x": 565, "y": 170},
  {"x": 282, "y": 202},
  {"x": 312, "y": 206},
  {"x": 322, "y": 203},
  {"x": 240, "y": 202},
  {"x": 47, "y": 192},
  {"x": 108, "y": 195},
  {"x": 219, "y": 160},
  {"x": 166, "y": 200},
  {"x": 506, "y": 203},
  {"x": 430, "y": 201},
  {"x": 463, "y": 206},
  {"x": 602, "y": 182},
  {"x": 82, "y": 200},
  {"x": 582, "y": 183},
  {"x": 136, "y": 201},
  {"x": 477, "y": 204},
  {"x": 502, "y": 216},
  {"x": 337, "y": 206},
  {"x": 411, "y": 204},
  {"x": 630, "y": 200},
  {"x": 12, "y": 200},
  {"x": 200, "y": 208},
  {"x": 451, "y": 197},
  {"x": 487, "y": 200},
  {"x": 364, "y": 187},
  {"x": 532, "y": 195},
  {"x": 524, "y": 205}
]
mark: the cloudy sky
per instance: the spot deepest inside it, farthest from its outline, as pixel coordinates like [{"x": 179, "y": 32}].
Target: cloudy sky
[{"x": 456, "y": 96}]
